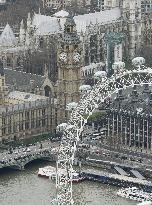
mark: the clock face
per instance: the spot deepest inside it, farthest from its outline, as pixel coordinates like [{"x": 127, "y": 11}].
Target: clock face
[
  {"x": 63, "y": 57},
  {"x": 76, "y": 57}
]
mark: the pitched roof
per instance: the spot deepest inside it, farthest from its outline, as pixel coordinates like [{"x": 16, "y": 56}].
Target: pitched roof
[
  {"x": 70, "y": 21},
  {"x": 23, "y": 81},
  {"x": 102, "y": 17},
  {"x": 7, "y": 38},
  {"x": 26, "y": 97},
  {"x": 61, "y": 14},
  {"x": 16, "y": 49},
  {"x": 46, "y": 25}
]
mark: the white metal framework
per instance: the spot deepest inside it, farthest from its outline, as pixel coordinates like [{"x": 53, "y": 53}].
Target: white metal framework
[{"x": 105, "y": 87}]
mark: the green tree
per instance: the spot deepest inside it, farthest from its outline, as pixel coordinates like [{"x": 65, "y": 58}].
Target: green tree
[{"x": 97, "y": 116}]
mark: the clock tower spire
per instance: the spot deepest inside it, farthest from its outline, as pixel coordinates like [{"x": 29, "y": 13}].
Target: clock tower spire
[{"x": 69, "y": 65}]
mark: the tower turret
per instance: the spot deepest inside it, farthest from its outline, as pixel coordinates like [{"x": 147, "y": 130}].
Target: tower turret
[
  {"x": 28, "y": 31},
  {"x": 132, "y": 30},
  {"x": 131, "y": 12},
  {"x": 69, "y": 63},
  {"x": 29, "y": 21},
  {"x": 2, "y": 84},
  {"x": 22, "y": 33}
]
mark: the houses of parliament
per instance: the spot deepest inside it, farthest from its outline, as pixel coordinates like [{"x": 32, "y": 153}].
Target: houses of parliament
[{"x": 43, "y": 67}]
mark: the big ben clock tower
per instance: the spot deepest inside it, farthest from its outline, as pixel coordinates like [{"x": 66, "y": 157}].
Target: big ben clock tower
[{"x": 69, "y": 65}]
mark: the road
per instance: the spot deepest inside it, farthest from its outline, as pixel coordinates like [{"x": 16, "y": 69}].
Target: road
[
  {"x": 21, "y": 152},
  {"x": 104, "y": 152}
]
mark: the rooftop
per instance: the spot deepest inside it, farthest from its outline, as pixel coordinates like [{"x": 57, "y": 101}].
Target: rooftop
[
  {"x": 25, "y": 97},
  {"x": 7, "y": 38},
  {"x": 15, "y": 49},
  {"x": 17, "y": 101},
  {"x": 61, "y": 14},
  {"x": 11, "y": 107},
  {"x": 102, "y": 17},
  {"x": 23, "y": 81},
  {"x": 46, "y": 25}
]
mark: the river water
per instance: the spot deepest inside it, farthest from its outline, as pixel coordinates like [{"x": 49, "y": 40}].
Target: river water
[{"x": 26, "y": 188}]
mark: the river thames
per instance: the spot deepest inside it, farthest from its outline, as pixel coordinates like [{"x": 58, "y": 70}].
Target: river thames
[{"x": 26, "y": 188}]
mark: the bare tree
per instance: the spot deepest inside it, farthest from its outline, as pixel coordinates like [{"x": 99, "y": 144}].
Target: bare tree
[{"x": 18, "y": 10}]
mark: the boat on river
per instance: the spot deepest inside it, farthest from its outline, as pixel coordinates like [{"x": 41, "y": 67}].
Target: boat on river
[
  {"x": 50, "y": 172},
  {"x": 46, "y": 171},
  {"x": 76, "y": 176},
  {"x": 145, "y": 203},
  {"x": 135, "y": 194}
]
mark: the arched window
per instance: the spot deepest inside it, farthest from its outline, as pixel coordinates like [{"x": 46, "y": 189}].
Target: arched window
[
  {"x": 68, "y": 29},
  {"x": 19, "y": 62},
  {"x": 8, "y": 61},
  {"x": 48, "y": 92},
  {"x": 72, "y": 28},
  {"x": 41, "y": 42}
]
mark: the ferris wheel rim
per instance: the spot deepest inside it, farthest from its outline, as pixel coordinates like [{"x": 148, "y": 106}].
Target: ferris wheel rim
[{"x": 77, "y": 121}]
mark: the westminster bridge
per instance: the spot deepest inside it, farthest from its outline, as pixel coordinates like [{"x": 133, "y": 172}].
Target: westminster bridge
[{"x": 19, "y": 158}]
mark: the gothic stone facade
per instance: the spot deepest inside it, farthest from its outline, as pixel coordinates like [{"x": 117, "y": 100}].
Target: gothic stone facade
[
  {"x": 24, "y": 115},
  {"x": 42, "y": 33},
  {"x": 24, "y": 120},
  {"x": 110, "y": 35}
]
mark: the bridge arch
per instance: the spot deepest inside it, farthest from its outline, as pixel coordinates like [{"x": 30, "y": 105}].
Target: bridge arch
[
  {"x": 13, "y": 166},
  {"x": 79, "y": 116},
  {"x": 20, "y": 163},
  {"x": 45, "y": 157}
]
